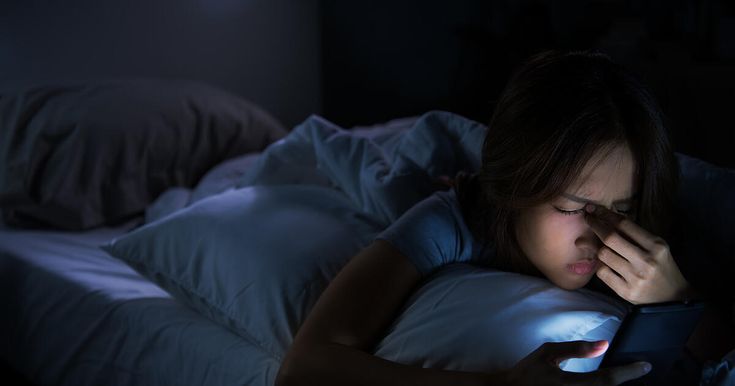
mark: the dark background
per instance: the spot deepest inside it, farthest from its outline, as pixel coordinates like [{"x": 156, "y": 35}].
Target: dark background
[
  {"x": 363, "y": 62},
  {"x": 383, "y": 59}
]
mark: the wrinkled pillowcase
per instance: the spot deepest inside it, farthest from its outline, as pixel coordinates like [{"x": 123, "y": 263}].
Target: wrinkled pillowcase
[
  {"x": 253, "y": 259},
  {"x": 256, "y": 260},
  {"x": 77, "y": 157}
]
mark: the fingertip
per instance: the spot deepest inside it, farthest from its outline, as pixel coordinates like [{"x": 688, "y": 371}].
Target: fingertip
[
  {"x": 598, "y": 348},
  {"x": 645, "y": 367},
  {"x": 600, "y": 272},
  {"x": 590, "y": 208},
  {"x": 601, "y": 344},
  {"x": 600, "y": 267}
]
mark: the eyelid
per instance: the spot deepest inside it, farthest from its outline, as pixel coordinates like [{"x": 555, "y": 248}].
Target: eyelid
[
  {"x": 581, "y": 210},
  {"x": 568, "y": 212},
  {"x": 560, "y": 205},
  {"x": 617, "y": 205}
]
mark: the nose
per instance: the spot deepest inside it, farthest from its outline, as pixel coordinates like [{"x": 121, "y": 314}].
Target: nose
[{"x": 588, "y": 242}]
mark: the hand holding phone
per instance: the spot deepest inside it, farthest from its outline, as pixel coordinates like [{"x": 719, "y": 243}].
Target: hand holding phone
[{"x": 654, "y": 333}]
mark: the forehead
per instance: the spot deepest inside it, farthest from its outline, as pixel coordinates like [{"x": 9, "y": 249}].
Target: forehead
[{"x": 609, "y": 175}]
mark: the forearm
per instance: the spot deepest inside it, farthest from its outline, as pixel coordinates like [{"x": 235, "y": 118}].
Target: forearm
[{"x": 340, "y": 365}]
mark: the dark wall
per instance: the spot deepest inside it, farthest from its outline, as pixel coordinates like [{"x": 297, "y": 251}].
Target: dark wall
[
  {"x": 264, "y": 50},
  {"x": 383, "y": 59},
  {"x": 365, "y": 62}
]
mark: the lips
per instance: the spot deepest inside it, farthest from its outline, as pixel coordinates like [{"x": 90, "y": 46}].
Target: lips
[{"x": 583, "y": 267}]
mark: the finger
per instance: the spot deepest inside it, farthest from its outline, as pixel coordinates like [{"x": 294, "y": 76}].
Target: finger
[
  {"x": 617, "y": 263},
  {"x": 636, "y": 233},
  {"x": 558, "y": 351},
  {"x": 620, "y": 374},
  {"x": 609, "y": 277},
  {"x": 611, "y": 238},
  {"x": 604, "y": 214}
]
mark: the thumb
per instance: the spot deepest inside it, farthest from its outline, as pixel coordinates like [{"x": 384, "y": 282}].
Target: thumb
[{"x": 559, "y": 351}]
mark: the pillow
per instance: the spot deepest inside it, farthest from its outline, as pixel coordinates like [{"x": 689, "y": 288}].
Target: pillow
[
  {"x": 468, "y": 318},
  {"x": 76, "y": 157},
  {"x": 168, "y": 202},
  {"x": 222, "y": 177},
  {"x": 253, "y": 259},
  {"x": 256, "y": 260}
]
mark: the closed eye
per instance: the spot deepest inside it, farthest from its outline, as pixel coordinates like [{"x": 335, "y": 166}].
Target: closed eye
[
  {"x": 570, "y": 212},
  {"x": 626, "y": 212}
]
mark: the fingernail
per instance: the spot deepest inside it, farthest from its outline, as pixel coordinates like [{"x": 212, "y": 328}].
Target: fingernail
[
  {"x": 600, "y": 344},
  {"x": 646, "y": 367},
  {"x": 590, "y": 208}
]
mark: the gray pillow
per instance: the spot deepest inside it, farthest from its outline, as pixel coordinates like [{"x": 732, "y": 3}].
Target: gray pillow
[{"x": 76, "y": 157}]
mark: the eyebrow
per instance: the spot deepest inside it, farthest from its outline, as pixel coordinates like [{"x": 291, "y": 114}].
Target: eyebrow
[{"x": 583, "y": 200}]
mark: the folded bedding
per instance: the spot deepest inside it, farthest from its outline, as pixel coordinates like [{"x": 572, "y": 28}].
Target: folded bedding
[{"x": 228, "y": 174}]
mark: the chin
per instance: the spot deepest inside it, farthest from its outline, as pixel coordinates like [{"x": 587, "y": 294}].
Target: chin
[{"x": 571, "y": 285}]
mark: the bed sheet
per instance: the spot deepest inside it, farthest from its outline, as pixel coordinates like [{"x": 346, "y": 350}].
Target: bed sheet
[{"x": 73, "y": 315}]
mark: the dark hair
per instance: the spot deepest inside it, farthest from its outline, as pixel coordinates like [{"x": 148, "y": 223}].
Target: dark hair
[{"x": 556, "y": 112}]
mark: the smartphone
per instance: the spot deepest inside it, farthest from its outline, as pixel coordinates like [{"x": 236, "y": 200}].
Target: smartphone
[{"x": 655, "y": 333}]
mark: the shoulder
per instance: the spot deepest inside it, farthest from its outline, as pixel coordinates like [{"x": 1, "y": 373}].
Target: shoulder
[
  {"x": 440, "y": 207},
  {"x": 432, "y": 233}
]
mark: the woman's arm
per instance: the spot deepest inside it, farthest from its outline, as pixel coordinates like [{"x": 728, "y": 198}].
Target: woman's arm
[{"x": 332, "y": 347}]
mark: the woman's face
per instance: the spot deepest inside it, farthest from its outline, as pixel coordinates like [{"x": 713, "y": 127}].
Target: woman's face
[{"x": 555, "y": 236}]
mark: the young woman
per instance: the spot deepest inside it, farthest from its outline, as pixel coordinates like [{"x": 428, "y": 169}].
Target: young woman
[{"x": 575, "y": 183}]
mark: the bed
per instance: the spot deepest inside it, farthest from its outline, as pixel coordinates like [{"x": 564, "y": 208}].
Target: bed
[
  {"x": 107, "y": 324},
  {"x": 171, "y": 233}
]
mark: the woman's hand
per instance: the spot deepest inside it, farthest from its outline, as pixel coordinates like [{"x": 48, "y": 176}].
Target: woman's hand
[
  {"x": 541, "y": 367},
  {"x": 637, "y": 265}
]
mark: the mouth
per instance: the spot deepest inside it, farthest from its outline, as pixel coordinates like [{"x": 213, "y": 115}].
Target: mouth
[{"x": 583, "y": 267}]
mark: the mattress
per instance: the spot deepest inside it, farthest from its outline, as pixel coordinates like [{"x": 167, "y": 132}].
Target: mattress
[{"x": 77, "y": 316}]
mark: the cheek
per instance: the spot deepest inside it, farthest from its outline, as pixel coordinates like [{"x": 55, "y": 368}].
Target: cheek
[
  {"x": 547, "y": 237},
  {"x": 555, "y": 230},
  {"x": 568, "y": 225},
  {"x": 550, "y": 246}
]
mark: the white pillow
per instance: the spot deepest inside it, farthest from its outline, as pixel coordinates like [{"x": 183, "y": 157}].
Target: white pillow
[
  {"x": 470, "y": 318},
  {"x": 253, "y": 259}
]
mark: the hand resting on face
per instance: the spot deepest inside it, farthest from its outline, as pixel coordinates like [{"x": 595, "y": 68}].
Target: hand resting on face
[{"x": 637, "y": 265}]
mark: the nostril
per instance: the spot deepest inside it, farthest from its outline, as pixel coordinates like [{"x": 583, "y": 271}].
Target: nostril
[{"x": 589, "y": 243}]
